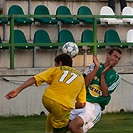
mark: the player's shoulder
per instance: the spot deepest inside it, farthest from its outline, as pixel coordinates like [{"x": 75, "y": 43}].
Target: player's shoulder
[
  {"x": 71, "y": 70},
  {"x": 114, "y": 74}
]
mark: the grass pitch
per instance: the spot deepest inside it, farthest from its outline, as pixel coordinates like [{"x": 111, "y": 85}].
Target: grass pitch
[{"x": 109, "y": 123}]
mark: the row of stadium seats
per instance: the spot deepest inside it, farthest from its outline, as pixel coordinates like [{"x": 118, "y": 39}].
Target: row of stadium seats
[
  {"x": 42, "y": 37},
  {"x": 43, "y": 10},
  {"x": 64, "y": 10}
]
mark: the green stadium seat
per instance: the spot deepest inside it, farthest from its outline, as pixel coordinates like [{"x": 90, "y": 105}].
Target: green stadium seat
[
  {"x": 65, "y": 36},
  {"x": 17, "y": 10},
  {"x": 41, "y": 36},
  {"x": 3, "y": 47},
  {"x": 43, "y": 10},
  {"x": 112, "y": 36},
  {"x": 19, "y": 37},
  {"x": 84, "y": 10},
  {"x": 87, "y": 37},
  {"x": 3, "y": 21},
  {"x": 63, "y": 10}
]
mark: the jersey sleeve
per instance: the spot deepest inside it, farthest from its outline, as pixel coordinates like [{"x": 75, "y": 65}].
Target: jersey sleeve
[
  {"x": 89, "y": 69},
  {"x": 45, "y": 76},
  {"x": 82, "y": 95},
  {"x": 115, "y": 82}
]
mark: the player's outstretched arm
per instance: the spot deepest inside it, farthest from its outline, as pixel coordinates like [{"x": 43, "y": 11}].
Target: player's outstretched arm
[
  {"x": 104, "y": 86},
  {"x": 89, "y": 77},
  {"x": 15, "y": 92}
]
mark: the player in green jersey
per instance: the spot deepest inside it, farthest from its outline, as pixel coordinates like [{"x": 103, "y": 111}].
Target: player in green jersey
[
  {"x": 101, "y": 80},
  {"x": 60, "y": 96}
]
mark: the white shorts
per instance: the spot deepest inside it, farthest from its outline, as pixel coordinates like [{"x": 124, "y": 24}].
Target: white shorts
[{"x": 90, "y": 114}]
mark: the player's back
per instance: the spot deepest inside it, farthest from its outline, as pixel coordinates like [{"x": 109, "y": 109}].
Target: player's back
[{"x": 66, "y": 83}]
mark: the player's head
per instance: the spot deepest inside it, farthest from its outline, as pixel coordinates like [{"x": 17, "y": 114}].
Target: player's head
[
  {"x": 63, "y": 60},
  {"x": 115, "y": 49},
  {"x": 114, "y": 55}
]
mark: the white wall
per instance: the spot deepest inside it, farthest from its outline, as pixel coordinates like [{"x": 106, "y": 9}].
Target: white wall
[
  {"x": 29, "y": 101},
  {"x": 122, "y": 98}
]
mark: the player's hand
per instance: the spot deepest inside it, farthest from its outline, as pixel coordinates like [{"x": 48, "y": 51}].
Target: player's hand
[
  {"x": 96, "y": 61},
  {"x": 11, "y": 94},
  {"x": 107, "y": 68}
]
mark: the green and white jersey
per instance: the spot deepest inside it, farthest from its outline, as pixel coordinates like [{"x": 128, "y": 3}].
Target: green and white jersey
[{"x": 94, "y": 93}]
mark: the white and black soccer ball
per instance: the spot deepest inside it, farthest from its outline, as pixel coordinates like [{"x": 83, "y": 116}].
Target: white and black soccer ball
[{"x": 70, "y": 48}]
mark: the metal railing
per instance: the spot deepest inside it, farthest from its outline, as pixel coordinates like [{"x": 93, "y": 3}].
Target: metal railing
[{"x": 95, "y": 44}]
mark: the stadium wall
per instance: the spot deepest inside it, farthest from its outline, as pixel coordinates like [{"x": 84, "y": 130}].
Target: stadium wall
[{"x": 29, "y": 101}]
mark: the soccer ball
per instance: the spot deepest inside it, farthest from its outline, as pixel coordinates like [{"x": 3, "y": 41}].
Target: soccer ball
[{"x": 70, "y": 48}]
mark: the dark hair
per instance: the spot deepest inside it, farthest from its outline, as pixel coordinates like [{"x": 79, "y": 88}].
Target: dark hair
[
  {"x": 65, "y": 59},
  {"x": 114, "y": 49}
]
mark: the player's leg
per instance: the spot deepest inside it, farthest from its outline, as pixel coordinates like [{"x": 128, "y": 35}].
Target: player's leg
[
  {"x": 92, "y": 116},
  {"x": 59, "y": 115},
  {"x": 111, "y": 3},
  {"x": 123, "y": 4},
  {"x": 76, "y": 122},
  {"x": 87, "y": 116},
  {"x": 60, "y": 118},
  {"x": 47, "y": 104},
  {"x": 75, "y": 126},
  {"x": 49, "y": 127}
]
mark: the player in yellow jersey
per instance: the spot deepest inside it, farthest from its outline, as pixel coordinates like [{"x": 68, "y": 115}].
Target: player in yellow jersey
[{"x": 65, "y": 92}]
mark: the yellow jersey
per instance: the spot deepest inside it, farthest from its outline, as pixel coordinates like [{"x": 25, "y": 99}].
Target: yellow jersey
[{"x": 66, "y": 85}]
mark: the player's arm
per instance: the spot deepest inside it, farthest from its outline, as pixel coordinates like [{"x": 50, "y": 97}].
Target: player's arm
[
  {"x": 81, "y": 98},
  {"x": 16, "y": 91},
  {"x": 89, "y": 77},
  {"x": 104, "y": 86}
]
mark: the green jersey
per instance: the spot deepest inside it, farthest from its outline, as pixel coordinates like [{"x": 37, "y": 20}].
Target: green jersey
[{"x": 94, "y": 93}]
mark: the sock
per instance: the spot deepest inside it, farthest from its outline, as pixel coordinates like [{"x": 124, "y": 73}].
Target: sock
[{"x": 49, "y": 127}]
